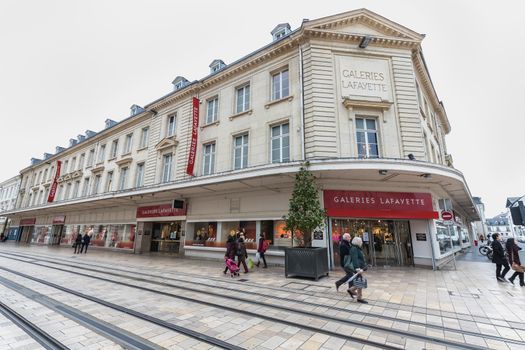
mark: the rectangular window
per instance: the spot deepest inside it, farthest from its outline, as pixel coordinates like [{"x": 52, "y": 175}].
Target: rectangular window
[
  {"x": 280, "y": 85},
  {"x": 209, "y": 159},
  {"x": 166, "y": 168},
  {"x": 75, "y": 189},
  {"x": 68, "y": 191},
  {"x": 40, "y": 195},
  {"x": 91, "y": 157},
  {"x": 212, "y": 112},
  {"x": 128, "y": 144},
  {"x": 367, "y": 142},
  {"x": 144, "y": 137},
  {"x": 171, "y": 125},
  {"x": 243, "y": 99},
  {"x": 66, "y": 164},
  {"x": 101, "y": 153},
  {"x": 139, "y": 176},
  {"x": 109, "y": 182},
  {"x": 73, "y": 164},
  {"x": 86, "y": 187},
  {"x": 114, "y": 148},
  {"x": 96, "y": 184},
  {"x": 60, "y": 193},
  {"x": 81, "y": 161},
  {"x": 123, "y": 178},
  {"x": 44, "y": 179},
  {"x": 280, "y": 143},
  {"x": 39, "y": 176},
  {"x": 240, "y": 152}
]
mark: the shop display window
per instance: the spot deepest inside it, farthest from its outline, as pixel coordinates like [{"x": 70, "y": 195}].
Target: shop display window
[
  {"x": 444, "y": 239},
  {"x": 41, "y": 235},
  {"x": 465, "y": 236},
  {"x": 13, "y": 233}
]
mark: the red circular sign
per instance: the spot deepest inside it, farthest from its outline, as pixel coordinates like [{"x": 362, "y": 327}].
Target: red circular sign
[{"x": 446, "y": 215}]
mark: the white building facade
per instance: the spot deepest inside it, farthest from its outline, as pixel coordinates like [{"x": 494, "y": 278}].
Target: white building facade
[
  {"x": 8, "y": 194},
  {"x": 349, "y": 93}
]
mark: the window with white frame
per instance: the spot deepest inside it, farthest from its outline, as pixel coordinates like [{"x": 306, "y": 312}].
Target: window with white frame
[
  {"x": 280, "y": 143},
  {"x": 128, "y": 144},
  {"x": 81, "y": 161},
  {"x": 91, "y": 157},
  {"x": 67, "y": 194},
  {"x": 96, "y": 184},
  {"x": 75, "y": 189},
  {"x": 240, "y": 151},
  {"x": 139, "y": 175},
  {"x": 44, "y": 179},
  {"x": 101, "y": 153},
  {"x": 123, "y": 178},
  {"x": 144, "y": 137},
  {"x": 171, "y": 125},
  {"x": 109, "y": 181},
  {"x": 367, "y": 140},
  {"x": 208, "y": 160},
  {"x": 73, "y": 164},
  {"x": 66, "y": 165},
  {"x": 280, "y": 85},
  {"x": 212, "y": 110},
  {"x": 243, "y": 99},
  {"x": 167, "y": 160},
  {"x": 86, "y": 187},
  {"x": 40, "y": 195},
  {"x": 114, "y": 149}
]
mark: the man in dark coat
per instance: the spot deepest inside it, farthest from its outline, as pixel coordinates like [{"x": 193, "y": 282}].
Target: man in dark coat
[
  {"x": 344, "y": 250},
  {"x": 85, "y": 242},
  {"x": 499, "y": 258}
]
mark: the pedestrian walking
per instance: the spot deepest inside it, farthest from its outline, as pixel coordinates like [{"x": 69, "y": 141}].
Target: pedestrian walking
[
  {"x": 514, "y": 259},
  {"x": 498, "y": 258},
  {"x": 230, "y": 249},
  {"x": 78, "y": 243},
  {"x": 86, "y": 239},
  {"x": 481, "y": 238},
  {"x": 358, "y": 261},
  {"x": 262, "y": 247},
  {"x": 344, "y": 251},
  {"x": 241, "y": 253}
]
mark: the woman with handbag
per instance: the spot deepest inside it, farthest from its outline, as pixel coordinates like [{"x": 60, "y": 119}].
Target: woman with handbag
[
  {"x": 515, "y": 263},
  {"x": 359, "y": 264}
]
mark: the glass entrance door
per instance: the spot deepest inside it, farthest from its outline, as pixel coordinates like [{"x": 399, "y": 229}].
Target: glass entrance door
[{"x": 385, "y": 242}]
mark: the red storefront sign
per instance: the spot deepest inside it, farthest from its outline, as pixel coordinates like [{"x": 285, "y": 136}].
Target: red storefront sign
[
  {"x": 54, "y": 186},
  {"x": 193, "y": 144},
  {"x": 163, "y": 210},
  {"x": 28, "y": 222},
  {"x": 59, "y": 220},
  {"x": 383, "y": 205}
]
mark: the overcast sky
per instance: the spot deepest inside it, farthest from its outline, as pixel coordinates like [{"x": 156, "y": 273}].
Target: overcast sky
[{"x": 66, "y": 66}]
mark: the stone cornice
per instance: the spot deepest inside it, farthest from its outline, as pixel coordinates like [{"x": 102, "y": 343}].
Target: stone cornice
[{"x": 355, "y": 38}]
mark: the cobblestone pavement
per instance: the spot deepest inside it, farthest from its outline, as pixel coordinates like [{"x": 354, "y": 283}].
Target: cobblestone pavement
[{"x": 409, "y": 308}]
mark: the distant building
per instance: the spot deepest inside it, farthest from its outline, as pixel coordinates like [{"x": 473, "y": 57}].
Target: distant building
[
  {"x": 8, "y": 194},
  {"x": 480, "y": 226},
  {"x": 500, "y": 224}
]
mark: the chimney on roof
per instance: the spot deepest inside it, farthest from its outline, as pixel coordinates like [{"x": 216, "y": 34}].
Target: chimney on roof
[
  {"x": 72, "y": 142},
  {"x": 109, "y": 123},
  {"x": 90, "y": 133},
  {"x": 179, "y": 82},
  {"x": 35, "y": 161},
  {"x": 47, "y": 156},
  {"x": 280, "y": 31},
  {"x": 81, "y": 138},
  {"x": 59, "y": 149},
  {"x": 135, "y": 109},
  {"x": 216, "y": 66}
]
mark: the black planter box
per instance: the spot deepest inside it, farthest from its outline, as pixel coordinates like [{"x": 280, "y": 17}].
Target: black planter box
[{"x": 306, "y": 262}]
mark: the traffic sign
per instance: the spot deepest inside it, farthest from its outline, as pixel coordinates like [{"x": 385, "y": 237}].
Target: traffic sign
[{"x": 447, "y": 215}]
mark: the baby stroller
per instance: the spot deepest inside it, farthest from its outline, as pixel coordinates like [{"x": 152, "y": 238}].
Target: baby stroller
[{"x": 232, "y": 267}]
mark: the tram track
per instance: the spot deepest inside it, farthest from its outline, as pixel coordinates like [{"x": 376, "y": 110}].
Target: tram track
[
  {"x": 282, "y": 299},
  {"x": 40, "y": 336},
  {"x": 401, "y": 333}
]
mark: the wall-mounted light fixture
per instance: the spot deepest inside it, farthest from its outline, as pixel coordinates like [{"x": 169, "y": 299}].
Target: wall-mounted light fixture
[
  {"x": 365, "y": 41},
  {"x": 426, "y": 176},
  {"x": 383, "y": 172},
  {"x": 411, "y": 156}
]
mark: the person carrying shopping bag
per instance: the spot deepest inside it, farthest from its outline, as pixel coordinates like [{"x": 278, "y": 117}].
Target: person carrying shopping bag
[
  {"x": 515, "y": 263},
  {"x": 357, "y": 257},
  {"x": 261, "y": 249}
]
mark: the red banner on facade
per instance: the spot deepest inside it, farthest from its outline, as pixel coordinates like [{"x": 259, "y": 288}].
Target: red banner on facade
[
  {"x": 155, "y": 211},
  {"x": 54, "y": 186},
  {"x": 28, "y": 222},
  {"x": 194, "y": 129},
  {"x": 387, "y": 205}
]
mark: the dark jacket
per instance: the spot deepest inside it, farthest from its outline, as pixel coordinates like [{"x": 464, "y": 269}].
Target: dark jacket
[
  {"x": 78, "y": 239},
  {"x": 514, "y": 256},
  {"x": 86, "y": 239},
  {"x": 358, "y": 258},
  {"x": 498, "y": 254},
  {"x": 344, "y": 250},
  {"x": 241, "y": 249},
  {"x": 230, "y": 247}
]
